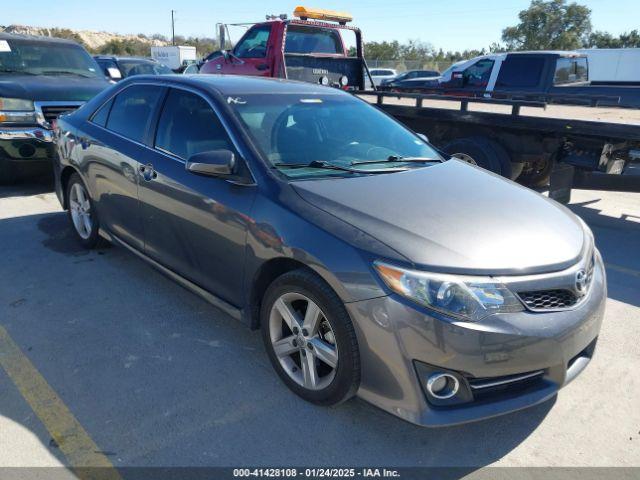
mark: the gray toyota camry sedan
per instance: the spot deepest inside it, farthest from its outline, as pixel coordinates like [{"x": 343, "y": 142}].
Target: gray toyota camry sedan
[{"x": 432, "y": 289}]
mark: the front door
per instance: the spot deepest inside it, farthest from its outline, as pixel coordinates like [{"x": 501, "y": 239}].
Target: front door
[
  {"x": 195, "y": 225},
  {"x": 251, "y": 54}
]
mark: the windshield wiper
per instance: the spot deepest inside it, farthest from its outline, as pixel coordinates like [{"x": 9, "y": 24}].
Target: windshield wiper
[
  {"x": 64, "y": 72},
  {"x": 399, "y": 158},
  {"x": 331, "y": 166},
  {"x": 10, "y": 70}
]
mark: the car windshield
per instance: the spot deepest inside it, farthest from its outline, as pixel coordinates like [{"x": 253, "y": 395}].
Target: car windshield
[
  {"x": 332, "y": 134},
  {"x": 138, "y": 67},
  {"x": 44, "y": 58}
]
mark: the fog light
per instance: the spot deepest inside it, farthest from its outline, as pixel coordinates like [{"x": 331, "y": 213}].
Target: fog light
[
  {"x": 442, "y": 385},
  {"x": 323, "y": 80}
]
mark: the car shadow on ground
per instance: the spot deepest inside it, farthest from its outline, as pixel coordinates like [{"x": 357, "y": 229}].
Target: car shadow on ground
[
  {"x": 158, "y": 377},
  {"x": 618, "y": 239},
  {"x": 27, "y": 187}
]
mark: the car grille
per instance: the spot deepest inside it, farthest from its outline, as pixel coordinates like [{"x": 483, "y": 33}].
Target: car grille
[
  {"x": 549, "y": 299},
  {"x": 51, "y": 112}
]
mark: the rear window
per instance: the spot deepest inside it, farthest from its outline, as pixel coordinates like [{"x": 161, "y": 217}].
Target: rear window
[
  {"x": 520, "y": 72},
  {"x": 571, "y": 70},
  {"x": 305, "y": 40},
  {"x": 132, "y": 110}
]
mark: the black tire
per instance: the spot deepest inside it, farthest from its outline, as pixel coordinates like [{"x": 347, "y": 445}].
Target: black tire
[
  {"x": 539, "y": 176},
  {"x": 346, "y": 380},
  {"x": 93, "y": 238},
  {"x": 7, "y": 172},
  {"x": 485, "y": 153}
]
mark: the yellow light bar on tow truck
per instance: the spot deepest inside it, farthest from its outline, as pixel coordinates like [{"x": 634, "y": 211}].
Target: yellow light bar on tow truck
[{"x": 304, "y": 13}]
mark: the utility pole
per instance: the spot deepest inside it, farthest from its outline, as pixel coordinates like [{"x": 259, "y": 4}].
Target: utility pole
[{"x": 173, "y": 29}]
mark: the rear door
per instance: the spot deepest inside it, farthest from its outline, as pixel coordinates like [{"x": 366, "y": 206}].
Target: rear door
[
  {"x": 521, "y": 76},
  {"x": 195, "y": 225},
  {"x": 112, "y": 158}
]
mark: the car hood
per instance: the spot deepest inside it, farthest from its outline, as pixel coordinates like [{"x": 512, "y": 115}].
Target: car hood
[
  {"x": 456, "y": 218},
  {"x": 57, "y": 88}
]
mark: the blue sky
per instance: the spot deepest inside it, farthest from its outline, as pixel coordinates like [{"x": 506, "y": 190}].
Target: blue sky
[{"x": 450, "y": 24}]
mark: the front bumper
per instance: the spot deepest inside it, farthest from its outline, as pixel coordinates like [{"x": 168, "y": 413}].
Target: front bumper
[
  {"x": 395, "y": 335},
  {"x": 26, "y": 150},
  {"x": 29, "y": 133}
]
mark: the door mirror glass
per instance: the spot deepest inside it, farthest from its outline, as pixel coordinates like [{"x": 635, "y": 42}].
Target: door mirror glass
[
  {"x": 214, "y": 163},
  {"x": 114, "y": 73}
]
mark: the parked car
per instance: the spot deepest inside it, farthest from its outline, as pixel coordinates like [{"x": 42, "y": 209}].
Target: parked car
[
  {"x": 550, "y": 76},
  {"x": 116, "y": 68},
  {"x": 411, "y": 85},
  {"x": 40, "y": 78},
  {"x": 411, "y": 74},
  {"x": 444, "y": 306},
  {"x": 379, "y": 75}
]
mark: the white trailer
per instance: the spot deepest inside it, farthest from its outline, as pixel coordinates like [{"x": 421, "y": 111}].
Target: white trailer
[
  {"x": 613, "y": 65},
  {"x": 174, "y": 56}
]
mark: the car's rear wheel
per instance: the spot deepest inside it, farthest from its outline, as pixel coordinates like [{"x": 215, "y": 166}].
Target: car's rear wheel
[
  {"x": 82, "y": 212},
  {"x": 310, "y": 339}
]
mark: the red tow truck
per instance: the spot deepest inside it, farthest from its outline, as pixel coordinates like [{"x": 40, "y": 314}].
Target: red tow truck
[{"x": 309, "y": 48}]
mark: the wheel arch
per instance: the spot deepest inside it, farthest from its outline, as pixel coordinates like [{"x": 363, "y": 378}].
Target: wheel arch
[
  {"x": 65, "y": 175},
  {"x": 265, "y": 275}
]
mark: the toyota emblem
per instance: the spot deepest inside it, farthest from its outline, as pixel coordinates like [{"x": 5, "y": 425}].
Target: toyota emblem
[{"x": 581, "y": 282}]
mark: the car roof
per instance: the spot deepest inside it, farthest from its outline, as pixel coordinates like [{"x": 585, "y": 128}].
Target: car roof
[
  {"x": 36, "y": 38},
  {"x": 238, "y": 85},
  {"x": 117, "y": 58}
]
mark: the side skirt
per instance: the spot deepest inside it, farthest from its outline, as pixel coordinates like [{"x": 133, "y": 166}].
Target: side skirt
[{"x": 217, "y": 302}]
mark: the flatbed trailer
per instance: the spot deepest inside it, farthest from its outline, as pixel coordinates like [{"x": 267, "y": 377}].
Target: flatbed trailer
[{"x": 528, "y": 141}]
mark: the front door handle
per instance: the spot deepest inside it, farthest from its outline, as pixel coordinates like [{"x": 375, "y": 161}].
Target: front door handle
[
  {"x": 262, "y": 66},
  {"x": 148, "y": 172}
]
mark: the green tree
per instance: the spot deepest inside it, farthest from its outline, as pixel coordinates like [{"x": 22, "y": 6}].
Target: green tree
[
  {"x": 606, "y": 40},
  {"x": 550, "y": 25}
]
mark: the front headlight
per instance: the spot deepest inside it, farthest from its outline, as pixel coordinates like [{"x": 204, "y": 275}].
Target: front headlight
[
  {"x": 16, "y": 104},
  {"x": 17, "y": 110},
  {"x": 463, "y": 297}
]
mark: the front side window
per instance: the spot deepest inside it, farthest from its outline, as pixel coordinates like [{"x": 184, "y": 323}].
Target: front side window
[
  {"x": 132, "y": 111},
  {"x": 188, "y": 125},
  {"x": 307, "y": 40},
  {"x": 477, "y": 75},
  {"x": 254, "y": 43},
  {"x": 571, "y": 70},
  {"x": 46, "y": 58},
  {"x": 295, "y": 130}
]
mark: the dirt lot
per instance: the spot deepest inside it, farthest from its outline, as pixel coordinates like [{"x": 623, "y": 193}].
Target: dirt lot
[{"x": 103, "y": 350}]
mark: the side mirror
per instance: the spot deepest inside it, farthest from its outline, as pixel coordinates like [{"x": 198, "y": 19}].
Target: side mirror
[
  {"x": 214, "y": 163},
  {"x": 114, "y": 73}
]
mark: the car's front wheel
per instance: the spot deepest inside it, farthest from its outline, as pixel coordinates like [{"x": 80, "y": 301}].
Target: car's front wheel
[
  {"x": 82, "y": 212},
  {"x": 310, "y": 339}
]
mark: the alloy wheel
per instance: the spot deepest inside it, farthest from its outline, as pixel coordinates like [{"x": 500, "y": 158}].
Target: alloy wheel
[
  {"x": 80, "y": 208},
  {"x": 303, "y": 341}
]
